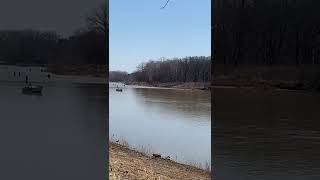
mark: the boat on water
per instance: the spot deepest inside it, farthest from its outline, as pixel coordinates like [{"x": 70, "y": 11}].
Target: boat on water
[
  {"x": 118, "y": 89},
  {"x": 30, "y": 89}
]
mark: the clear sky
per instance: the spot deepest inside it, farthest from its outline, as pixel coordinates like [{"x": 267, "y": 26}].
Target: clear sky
[{"x": 139, "y": 31}]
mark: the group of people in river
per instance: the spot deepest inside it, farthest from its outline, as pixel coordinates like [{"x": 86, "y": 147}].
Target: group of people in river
[{"x": 27, "y": 77}]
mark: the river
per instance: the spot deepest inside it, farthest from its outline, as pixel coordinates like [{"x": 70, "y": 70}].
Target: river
[
  {"x": 266, "y": 134},
  {"x": 170, "y": 122},
  {"x": 60, "y": 134}
]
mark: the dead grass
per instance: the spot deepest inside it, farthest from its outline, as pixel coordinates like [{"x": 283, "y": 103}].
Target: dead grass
[
  {"x": 145, "y": 150},
  {"x": 125, "y": 163},
  {"x": 205, "y": 167}
]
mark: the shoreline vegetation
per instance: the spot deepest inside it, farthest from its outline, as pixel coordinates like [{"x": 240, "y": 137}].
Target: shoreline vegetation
[
  {"x": 304, "y": 78},
  {"x": 266, "y": 44},
  {"x": 195, "y": 73},
  {"x": 95, "y": 70},
  {"x": 173, "y": 85},
  {"x": 126, "y": 163},
  {"x": 264, "y": 78},
  {"x": 191, "y": 72},
  {"x": 83, "y": 51}
]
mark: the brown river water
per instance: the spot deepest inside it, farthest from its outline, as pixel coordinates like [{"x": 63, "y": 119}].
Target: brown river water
[
  {"x": 265, "y": 134},
  {"x": 170, "y": 122}
]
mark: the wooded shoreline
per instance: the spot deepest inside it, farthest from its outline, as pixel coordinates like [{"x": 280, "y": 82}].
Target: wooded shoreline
[{"x": 173, "y": 85}]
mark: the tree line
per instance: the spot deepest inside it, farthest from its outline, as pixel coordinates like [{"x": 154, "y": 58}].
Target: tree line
[
  {"x": 266, "y": 32},
  {"x": 118, "y": 76},
  {"x": 187, "y": 69},
  {"x": 88, "y": 45}
]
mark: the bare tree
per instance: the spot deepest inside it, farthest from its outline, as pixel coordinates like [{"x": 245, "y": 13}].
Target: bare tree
[
  {"x": 188, "y": 69},
  {"x": 98, "y": 21}
]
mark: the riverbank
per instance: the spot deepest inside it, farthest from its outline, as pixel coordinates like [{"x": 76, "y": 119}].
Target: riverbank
[
  {"x": 266, "y": 84},
  {"x": 125, "y": 163},
  {"x": 304, "y": 77},
  {"x": 78, "y": 70},
  {"x": 173, "y": 85},
  {"x": 10, "y": 74}
]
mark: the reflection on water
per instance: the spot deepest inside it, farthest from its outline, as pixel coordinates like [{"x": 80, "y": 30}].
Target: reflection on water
[
  {"x": 266, "y": 134},
  {"x": 175, "y": 123},
  {"x": 60, "y": 135}
]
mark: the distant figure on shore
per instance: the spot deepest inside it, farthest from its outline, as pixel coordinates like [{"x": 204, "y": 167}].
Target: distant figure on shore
[
  {"x": 14, "y": 73},
  {"x": 49, "y": 76},
  {"x": 27, "y": 80},
  {"x": 19, "y": 73}
]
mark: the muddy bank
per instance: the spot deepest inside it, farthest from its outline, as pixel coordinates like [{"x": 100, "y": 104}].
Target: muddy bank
[
  {"x": 266, "y": 84},
  {"x": 176, "y": 85},
  {"x": 304, "y": 77},
  {"x": 78, "y": 70},
  {"x": 125, "y": 163}
]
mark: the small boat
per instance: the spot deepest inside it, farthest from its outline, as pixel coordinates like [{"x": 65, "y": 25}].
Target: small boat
[
  {"x": 119, "y": 89},
  {"x": 32, "y": 89}
]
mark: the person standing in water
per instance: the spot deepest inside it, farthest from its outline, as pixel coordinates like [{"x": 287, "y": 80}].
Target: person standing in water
[{"x": 27, "y": 79}]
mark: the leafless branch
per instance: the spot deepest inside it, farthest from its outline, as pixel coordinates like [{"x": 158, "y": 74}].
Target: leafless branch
[
  {"x": 165, "y": 4},
  {"x": 98, "y": 21}
]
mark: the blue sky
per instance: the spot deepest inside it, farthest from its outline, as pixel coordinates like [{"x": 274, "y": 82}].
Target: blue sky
[{"x": 139, "y": 31}]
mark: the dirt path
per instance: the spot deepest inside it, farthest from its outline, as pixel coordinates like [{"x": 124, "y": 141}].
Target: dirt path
[{"x": 128, "y": 164}]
